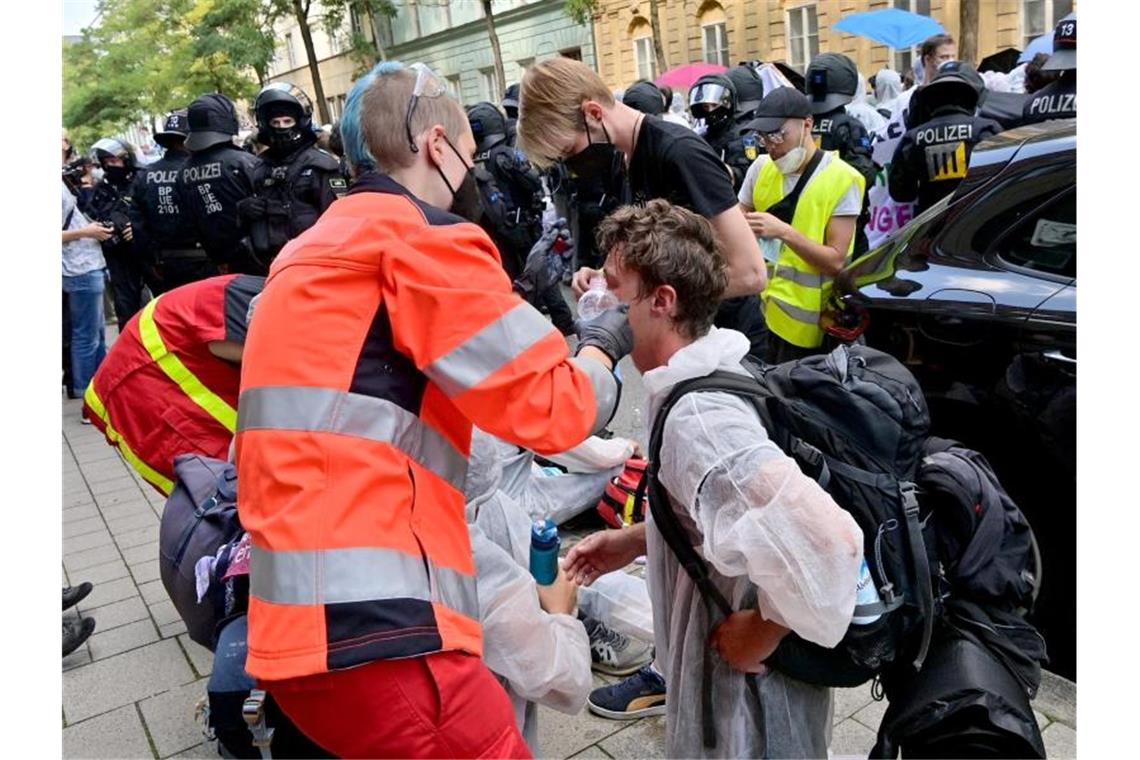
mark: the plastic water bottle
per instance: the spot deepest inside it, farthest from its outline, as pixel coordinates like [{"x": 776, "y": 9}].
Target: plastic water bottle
[
  {"x": 865, "y": 593},
  {"x": 595, "y": 300},
  {"x": 544, "y": 545}
]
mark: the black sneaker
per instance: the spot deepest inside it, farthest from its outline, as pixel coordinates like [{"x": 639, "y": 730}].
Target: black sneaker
[
  {"x": 75, "y": 632},
  {"x": 613, "y": 653},
  {"x": 73, "y": 595},
  {"x": 638, "y": 696}
]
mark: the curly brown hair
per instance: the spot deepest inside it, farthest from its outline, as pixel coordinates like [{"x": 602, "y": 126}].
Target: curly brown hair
[{"x": 668, "y": 245}]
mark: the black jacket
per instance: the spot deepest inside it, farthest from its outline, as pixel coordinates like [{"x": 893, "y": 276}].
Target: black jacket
[
  {"x": 1054, "y": 101},
  {"x": 210, "y": 186},
  {"x": 158, "y": 218},
  {"x": 111, "y": 205},
  {"x": 511, "y": 192},
  {"x": 840, "y": 131},
  {"x": 931, "y": 159},
  {"x": 735, "y": 150}
]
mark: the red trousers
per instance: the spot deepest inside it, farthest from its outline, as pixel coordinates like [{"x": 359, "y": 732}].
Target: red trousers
[{"x": 440, "y": 705}]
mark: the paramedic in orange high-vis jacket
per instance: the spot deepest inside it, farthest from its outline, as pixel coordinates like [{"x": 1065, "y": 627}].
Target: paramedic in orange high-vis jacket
[{"x": 383, "y": 333}]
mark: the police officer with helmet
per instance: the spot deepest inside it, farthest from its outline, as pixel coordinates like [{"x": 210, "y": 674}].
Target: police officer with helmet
[
  {"x": 712, "y": 99},
  {"x": 646, "y": 97},
  {"x": 510, "y": 105},
  {"x": 216, "y": 177},
  {"x": 295, "y": 181},
  {"x": 110, "y": 204},
  {"x": 831, "y": 82},
  {"x": 931, "y": 158},
  {"x": 164, "y": 233},
  {"x": 1057, "y": 100}
]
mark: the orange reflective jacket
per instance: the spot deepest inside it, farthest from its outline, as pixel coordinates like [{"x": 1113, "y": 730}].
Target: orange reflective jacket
[{"x": 384, "y": 331}]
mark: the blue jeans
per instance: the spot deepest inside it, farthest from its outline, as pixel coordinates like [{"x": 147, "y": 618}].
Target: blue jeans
[{"x": 88, "y": 329}]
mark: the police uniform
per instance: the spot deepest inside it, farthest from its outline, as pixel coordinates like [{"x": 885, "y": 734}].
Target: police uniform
[
  {"x": 111, "y": 205},
  {"x": 842, "y": 132},
  {"x": 1059, "y": 99},
  {"x": 735, "y": 150}
]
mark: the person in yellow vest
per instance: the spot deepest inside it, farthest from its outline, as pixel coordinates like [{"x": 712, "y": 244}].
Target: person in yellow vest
[{"x": 802, "y": 204}]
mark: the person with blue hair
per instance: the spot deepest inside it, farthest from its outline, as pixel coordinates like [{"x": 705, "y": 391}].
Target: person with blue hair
[{"x": 383, "y": 334}]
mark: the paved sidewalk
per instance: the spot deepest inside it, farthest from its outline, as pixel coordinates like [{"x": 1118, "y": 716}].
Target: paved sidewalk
[{"x": 130, "y": 691}]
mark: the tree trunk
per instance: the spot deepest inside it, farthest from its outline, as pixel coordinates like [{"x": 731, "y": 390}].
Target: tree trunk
[
  {"x": 376, "y": 36},
  {"x": 301, "y": 11},
  {"x": 658, "y": 49},
  {"x": 968, "y": 31},
  {"x": 495, "y": 49}
]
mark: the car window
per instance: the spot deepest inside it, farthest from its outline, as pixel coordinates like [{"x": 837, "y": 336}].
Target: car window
[{"x": 1046, "y": 240}]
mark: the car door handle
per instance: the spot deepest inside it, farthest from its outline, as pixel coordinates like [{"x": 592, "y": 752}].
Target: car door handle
[{"x": 1055, "y": 355}]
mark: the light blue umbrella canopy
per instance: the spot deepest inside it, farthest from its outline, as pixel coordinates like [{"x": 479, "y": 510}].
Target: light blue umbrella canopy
[
  {"x": 1042, "y": 44},
  {"x": 891, "y": 27}
]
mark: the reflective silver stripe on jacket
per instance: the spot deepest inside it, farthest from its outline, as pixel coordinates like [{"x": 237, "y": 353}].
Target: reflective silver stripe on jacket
[
  {"x": 487, "y": 351},
  {"x": 325, "y": 410},
  {"x": 795, "y": 312},
  {"x": 807, "y": 279},
  {"x": 358, "y": 574},
  {"x": 606, "y": 391}
]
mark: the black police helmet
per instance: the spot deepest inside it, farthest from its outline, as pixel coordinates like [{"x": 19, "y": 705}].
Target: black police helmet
[
  {"x": 749, "y": 88},
  {"x": 112, "y": 147},
  {"x": 283, "y": 99},
  {"x": 511, "y": 100},
  {"x": 712, "y": 98},
  {"x": 488, "y": 124},
  {"x": 956, "y": 84},
  {"x": 213, "y": 120},
  {"x": 645, "y": 97},
  {"x": 174, "y": 129},
  {"x": 832, "y": 80}
]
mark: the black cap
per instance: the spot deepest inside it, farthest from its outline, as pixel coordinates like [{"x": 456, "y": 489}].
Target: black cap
[
  {"x": 957, "y": 83},
  {"x": 511, "y": 97},
  {"x": 1064, "y": 56},
  {"x": 645, "y": 97},
  {"x": 175, "y": 128},
  {"x": 778, "y": 106},
  {"x": 831, "y": 82},
  {"x": 212, "y": 120}
]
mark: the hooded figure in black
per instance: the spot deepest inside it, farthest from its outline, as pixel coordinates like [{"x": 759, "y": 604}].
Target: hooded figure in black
[
  {"x": 646, "y": 97},
  {"x": 111, "y": 204},
  {"x": 713, "y": 100},
  {"x": 164, "y": 233},
  {"x": 511, "y": 109},
  {"x": 296, "y": 180},
  {"x": 931, "y": 158},
  {"x": 830, "y": 85},
  {"x": 215, "y": 178}
]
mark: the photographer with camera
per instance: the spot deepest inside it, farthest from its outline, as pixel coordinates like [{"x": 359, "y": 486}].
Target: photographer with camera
[{"x": 111, "y": 206}]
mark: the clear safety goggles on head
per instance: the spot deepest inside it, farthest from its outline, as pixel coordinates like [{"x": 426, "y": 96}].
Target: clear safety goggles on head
[
  {"x": 708, "y": 93},
  {"x": 428, "y": 85}
]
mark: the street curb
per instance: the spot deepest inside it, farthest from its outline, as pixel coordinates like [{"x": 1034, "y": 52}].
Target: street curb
[{"x": 1057, "y": 699}]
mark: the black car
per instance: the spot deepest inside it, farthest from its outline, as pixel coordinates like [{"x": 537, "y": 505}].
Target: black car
[{"x": 978, "y": 297}]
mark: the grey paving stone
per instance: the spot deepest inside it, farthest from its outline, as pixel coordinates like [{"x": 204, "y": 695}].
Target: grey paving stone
[
  {"x": 76, "y": 659},
  {"x": 847, "y": 702},
  {"x": 561, "y": 735},
  {"x": 152, "y": 591},
  {"x": 170, "y": 718},
  {"x": 201, "y": 659},
  {"x": 109, "y": 478},
  {"x": 871, "y": 715},
  {"x": 203, "y": 751},
  {"x": 852, "y": 738},
  {"x": 81, "y": 527},
  {"x": 73, "y": 499},
  {"x": 136, "y": 538},
  {"x": 1057, "y": 698},
  {"x": 118, "y": 733},
  {"x": 645, "y": 738},
  {"x": 108, "y": 592},
  {"x": 1042, "y": 719},
  {"x": 138, "y": 554},
  {"x": 87, "y": 541},
  {"x": 133, "y": 523},
  {"x": 121, "y": 639},
  {"x": 108, "y": 571},
  {"x": 163, "y": 612},
  {"x": 118, "y": 613},
  {"x": 90, "y": 558},
  {"x": 1060, "y": 741},
  {"x": 147, "y": 571},
  {"x": 171, "y": 630},
  {"x": 140, "y": 673},
  {"x": 593, "y": 752},
  {"x": 124, "y": 510}
]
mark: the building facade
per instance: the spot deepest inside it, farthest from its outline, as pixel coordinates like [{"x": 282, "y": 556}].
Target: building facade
[
  {"x": 448, "y": 35},
  {"x": 793, "y": 31}
]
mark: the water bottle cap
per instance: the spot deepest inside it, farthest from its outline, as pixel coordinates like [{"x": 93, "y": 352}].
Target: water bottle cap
[{"x": 544, "y": 534}]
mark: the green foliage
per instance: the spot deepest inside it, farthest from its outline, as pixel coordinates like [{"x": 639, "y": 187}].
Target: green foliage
[{"x": 581, "y": 11}]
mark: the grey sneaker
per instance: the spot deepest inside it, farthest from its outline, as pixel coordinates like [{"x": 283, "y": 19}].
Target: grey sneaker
[{"x": 614, "y": 653}]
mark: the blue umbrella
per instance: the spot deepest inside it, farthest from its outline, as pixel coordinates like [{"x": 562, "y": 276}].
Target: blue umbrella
[{"x": 891, "y": 27}]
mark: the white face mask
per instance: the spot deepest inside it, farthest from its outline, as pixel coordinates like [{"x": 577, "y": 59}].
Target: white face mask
[
  {"x": 97, "y": 174},
  {"x": 790, "y": 162}
]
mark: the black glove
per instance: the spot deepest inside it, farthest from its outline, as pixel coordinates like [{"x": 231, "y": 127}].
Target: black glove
[
  {"x": 609, "y": 332},
  {"x": 544, "y": 267}
]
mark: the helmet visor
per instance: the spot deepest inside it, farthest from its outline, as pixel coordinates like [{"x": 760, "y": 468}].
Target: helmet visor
[{"x": 708, "y": 92}]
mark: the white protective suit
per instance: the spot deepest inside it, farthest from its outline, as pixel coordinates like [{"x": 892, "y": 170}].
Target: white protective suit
[
  {"x": 772, "y": 537},
  {"x": 888, "y": 87},
  {"x": 538, "y": 657},
  {"x": 870, "y": 118}
]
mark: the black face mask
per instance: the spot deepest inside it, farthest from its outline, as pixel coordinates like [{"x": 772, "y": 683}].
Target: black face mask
[
  {"x": 283, "y": 139},
  {"x": 599, "y": 160},
  {"x": 465, "y": 199},
  {"x": 118, "y": 176}
]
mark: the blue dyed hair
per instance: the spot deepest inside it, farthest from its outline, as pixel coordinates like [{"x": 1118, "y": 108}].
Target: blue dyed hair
[{"x": 351, "y": 130}]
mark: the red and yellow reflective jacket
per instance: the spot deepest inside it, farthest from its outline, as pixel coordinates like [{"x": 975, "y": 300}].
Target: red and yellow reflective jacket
[
  {"x": 160, "y": 392},
  {"x": 384, "y": 331}
]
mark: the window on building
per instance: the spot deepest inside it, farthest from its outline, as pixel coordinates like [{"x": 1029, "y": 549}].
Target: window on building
[
  {"x": 715, "y": 43},
  {"x": 489, "y": 88},
  {"x": 574, "y": 54},
  {"x": 290, "y": 51},
  {"x": 334, "y": 114},
  {"x": 904, "y": 59},
  {"x": 646, "y": 60},
  {"x": 334, "y": 43},
  {"x": 803, "y": 36},
  {"x": 1039, "y": 17}
]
